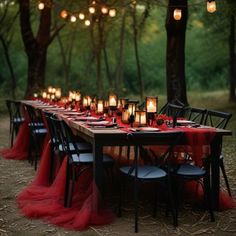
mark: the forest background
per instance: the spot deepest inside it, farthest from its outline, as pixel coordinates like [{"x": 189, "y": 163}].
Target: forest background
[{"x": 71, "y": 61}]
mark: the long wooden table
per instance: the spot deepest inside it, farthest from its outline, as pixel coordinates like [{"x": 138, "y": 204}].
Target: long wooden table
[{"x": 118, "y": 137}]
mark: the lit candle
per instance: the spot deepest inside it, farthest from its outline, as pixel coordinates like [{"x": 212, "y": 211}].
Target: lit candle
[
  {"x": 140, "y": 117},
  {"x": 58, "y": 93},
  {"x": 63, "y": 14},
  {"x": 112, "y": 12},
  {"x": 49, "y": 89},
  {"x": 77, "y": 97},
  {"x": 41, "y": 6},
  {"x": 44, "y": 95},
  {"x": 151, "y": 104},
  {"x": 100, "y": 106},
  {"x": 125, "y": 116}
]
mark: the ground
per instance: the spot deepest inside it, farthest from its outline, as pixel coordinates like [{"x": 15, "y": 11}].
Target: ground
[{"x": 15, "y": 175}]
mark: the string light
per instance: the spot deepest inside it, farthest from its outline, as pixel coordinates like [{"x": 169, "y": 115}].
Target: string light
[
  {"x": 87, "y": 22},
  {"x": 92, "y": 10},
  {"x": 41, "y": 6},
  {"x": 63, "y": 14},
  {"x": 211, "y": 6},
  {"x": 104, "y": 10},
  {"x": 112, "y": 12},
  {"x": 81, "y": 16},
  {"x": 73, "y": 18},
  {"x": 177, "y": 14}
]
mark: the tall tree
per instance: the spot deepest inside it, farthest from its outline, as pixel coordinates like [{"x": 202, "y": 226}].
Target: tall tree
[
  {"x": 36, "y": 46},
  {"x": 175, "y": 52}
]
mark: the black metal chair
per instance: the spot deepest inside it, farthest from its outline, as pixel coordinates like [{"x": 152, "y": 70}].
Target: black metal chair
[
  {"x": 195, "y": 114},
  {"x": 57, "y": 143},
  {"x": 172, "y": 110},
  {"x": 159, "y": 173},
  {"x": 220, "y": 120},
  {"x": 77, "y": 161},
  {"x": 16, "y": 119},
  {"x": 37, "y": 134}
]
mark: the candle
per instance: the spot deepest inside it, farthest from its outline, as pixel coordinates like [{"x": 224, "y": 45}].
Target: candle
[
  {"x": 125, "y": 116},
  {"x": 58, "y": 93},
  {"x": 112, "y": 100},
  {"x": 140, "y": 117},
  {"x": 44, "y": 95},
  {"x": 100, "y": 106},
  {"x": 151, "y": 104}
]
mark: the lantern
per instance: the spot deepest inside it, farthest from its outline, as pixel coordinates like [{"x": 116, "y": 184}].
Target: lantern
[
  {"x": 112, "y": 12},
  {"x": 58, "y": 93},
  {"x": 113, "y": 101},
  {"x": 44, "y": 95},
  {"x": 177, "y": 14},
  {"x": 140, "y": 118},
  {"x": 151, "y": 108},
  {"x": 211, "y": 6},
  {"x": 77, "y": 97},
  {"x": 125, "y": 116},
  {"x": 49, "y": 89},
  {"x": 100, "y": 106}
]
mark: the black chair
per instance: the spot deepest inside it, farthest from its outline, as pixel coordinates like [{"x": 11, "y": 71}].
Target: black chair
[
  {"x": 220, "y": 120},
  {"x": 37, "y": 134},
  {"x": 195, "y": 114},
  {"x": 77, "y": 162},
  {"x": 158, "y": 173},
  {"x": 16, "y": 119},
  {"x": 57, "y": 143},
  {"x": 172, "y": 110}
]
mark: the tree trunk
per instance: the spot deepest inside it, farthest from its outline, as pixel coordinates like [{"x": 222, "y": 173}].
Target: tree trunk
[
  {"x": 137, "y": 55},
  {"x": 175, "y": 53},
  {"x": 232, "y": 62},
  {"x": 35, "y": 47}
]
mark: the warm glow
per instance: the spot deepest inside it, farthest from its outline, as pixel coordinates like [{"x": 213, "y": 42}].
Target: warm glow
[
  {"x": 92, "y": 10},
  {"x": 112, "y": 100},
  {"x": 64, "y": 14},
  {"x": 211, "y": 6},
  {"x": 104, "y": 10},
  {"x": 44, "y": 95},
  {"x": 112, "y": 12},
  {"x": 53, "y": 96},
  {"x": 125, "y": 116},
  {"x": 177, "y": 14},
  {"x": 58, "y": 93},
  {"x": 49, "y": 89},
  {"x": 151, "y": 104},
  {"x": 131, "y": 108},
  {"x": 87, "y": 101},
  {"x": 81, "y": 16},
  {"x": 35, "y": 95},
  {"x": 41, "y": 6},
  {"x": 73, "y": 18},
  {"x": 87, "y": 22},
  {"x": 140, "y": 117},
  {"x": 53, "y": 90},
  {"x": 77, "y": 96},
  {"x": 100, "y": 106}
]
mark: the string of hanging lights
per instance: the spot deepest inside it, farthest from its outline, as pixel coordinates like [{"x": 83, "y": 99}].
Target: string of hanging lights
[{"x": 96, "y": 10}]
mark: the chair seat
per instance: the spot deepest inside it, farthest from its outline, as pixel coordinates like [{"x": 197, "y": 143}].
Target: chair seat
[
  {"x": 82, "y": 147},
  {"x": 18, "y": 120},
  {"x": 88, "y": 158},
  {"x": 145, "y": 172},
  {"x": 189, "y": 171},
  {"x": 40, "y": 131}
]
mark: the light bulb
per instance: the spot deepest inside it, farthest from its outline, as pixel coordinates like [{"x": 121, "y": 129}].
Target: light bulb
[
  {"x": 81, "y": 16},
  {"x": 211, "y": 6},
  {"x": 112, "y": 12},
  {"x": 87, "y": 23},
  {"x": 92, "y": 10},
  {"x": 104, "y": 10},
  {"x": 63, "y": 14},
  {"x": 41, "y": 6},
  {"x": 73, "y": 18},
  {"x": 177, "y": 14}
]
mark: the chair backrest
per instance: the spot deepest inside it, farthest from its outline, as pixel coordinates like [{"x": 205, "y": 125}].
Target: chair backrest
[
  {"x": 172, "y": 110},
  {"x": 13, "y": 108},
  {"x": 195, "y": 114},
  {"x": 168, "y": 139},
  {"x": 51, "y": 128},
  {"x": 217, "y": 119},
  {"x": 35, "y": 116}
]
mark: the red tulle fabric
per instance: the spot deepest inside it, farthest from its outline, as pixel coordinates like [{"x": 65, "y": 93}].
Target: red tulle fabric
[
  {"x": 20, "y": 148},
  {"x": 46, "y": 202}
]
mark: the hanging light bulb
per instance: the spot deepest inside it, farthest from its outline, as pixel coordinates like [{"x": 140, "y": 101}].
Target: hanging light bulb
[
  {"x": 92, "y": 10},
  {"x": 63, "y": 14},
  {"x": 112, "y": 12},
  {"x": 211, "y": 6},
  {"x": 87, "y": 23},
  {"x": 41, "y": 6},
  {"x": 104, "y": 10},
  {"x": 81, "y": 16},
  {"x": 73, "y": 18},
  {"x": 177, "y": 14}
]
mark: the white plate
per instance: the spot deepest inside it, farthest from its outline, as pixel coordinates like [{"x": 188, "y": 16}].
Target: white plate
[
  {"x": 87, "y": 118},
  {"x": 98, "y": 123},
  {"x": 187, "y": 122},
  {"x": 148, "y": 129}
]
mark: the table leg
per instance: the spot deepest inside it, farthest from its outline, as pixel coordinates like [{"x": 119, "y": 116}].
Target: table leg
[{"x": 215, "y": 171}]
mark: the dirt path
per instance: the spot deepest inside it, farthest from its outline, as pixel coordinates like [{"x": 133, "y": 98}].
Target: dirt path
[{"x": 15, "y": 175}]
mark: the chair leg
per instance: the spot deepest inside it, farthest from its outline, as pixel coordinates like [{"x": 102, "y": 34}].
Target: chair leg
[
  {"x": 222, "y": 167},
  {"x": 136, "y": 205},
  {"x": 67, "y": 184}
]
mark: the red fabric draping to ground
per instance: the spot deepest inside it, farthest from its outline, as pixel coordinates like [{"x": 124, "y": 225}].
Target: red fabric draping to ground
[
  {"x": 46, "y": 202},
  {"x": 20, "y": 148}
]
